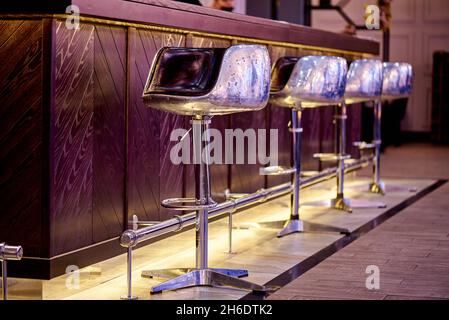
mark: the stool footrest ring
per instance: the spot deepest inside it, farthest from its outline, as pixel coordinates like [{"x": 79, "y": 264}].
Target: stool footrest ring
[
  {"x": 331, "y": 156},
  {"x": 186, "y": 204},
  {"x": 364, "y": 145},
  {"x": 276, "y": 171}
]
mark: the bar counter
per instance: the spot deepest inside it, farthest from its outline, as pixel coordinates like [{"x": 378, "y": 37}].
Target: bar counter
[{"x": 81, "y": 154}]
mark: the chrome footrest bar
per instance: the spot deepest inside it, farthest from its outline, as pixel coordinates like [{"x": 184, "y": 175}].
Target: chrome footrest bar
[
  {"x": 331, "y": 156},
  {"x": 178, "y": 204},
  {"x": 233, "y": 195},
  {"x": 276, "y": 171}
]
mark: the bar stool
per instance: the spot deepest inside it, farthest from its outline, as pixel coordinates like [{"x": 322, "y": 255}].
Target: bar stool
[
  {"x": 300, "y": 83},
  {"x": 363, "y": 83},
  {"x": 397, "y": 83},
  {"x": 202, "y": 83}
]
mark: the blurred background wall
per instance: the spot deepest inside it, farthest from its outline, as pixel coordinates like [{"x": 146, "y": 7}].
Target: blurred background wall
[{"x": 419, "y": 28}]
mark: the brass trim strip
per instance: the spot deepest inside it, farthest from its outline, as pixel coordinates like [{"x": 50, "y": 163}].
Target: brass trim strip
[{"x": 196, "y": 33}]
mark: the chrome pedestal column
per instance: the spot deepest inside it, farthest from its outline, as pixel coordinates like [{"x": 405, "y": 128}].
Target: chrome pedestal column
[
  {"x": 377, "y": 185},
  {"x": 295, "y": 224},
  {"x": 340, "y": 202},
  {"x": 201, "y": 275}
]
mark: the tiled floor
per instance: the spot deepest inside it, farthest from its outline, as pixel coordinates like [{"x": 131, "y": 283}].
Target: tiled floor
[
  {"x": 265, "y": 256},
  {"x": 411, "y": 249}
]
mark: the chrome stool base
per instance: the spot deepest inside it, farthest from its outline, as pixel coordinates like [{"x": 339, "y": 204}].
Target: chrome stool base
[
  {"x": 347, "y": 205},
  {"x": 176, "y": 272},
  {"x": 208, "y": 277},
  {"x": 294, "y": 226},
  {"x": 297, "y": 226}
]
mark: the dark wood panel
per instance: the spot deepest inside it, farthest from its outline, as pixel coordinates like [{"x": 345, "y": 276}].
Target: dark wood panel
[
  {"x": 312, "y": 123},
  {"x": 143, "y": 136},
  {"x": 245, "y": 177},
  {"x": 279, "y": 118},
  {"x": 109, "y": 132},
  {"x": 149, "y": 133},
  {"x": 354, "y": 129},
  {"x": 171, "y": 175},
  {"x": 72, "y": 134},
  {"x": 327, "y": 128},
  {"x": 21, "y": 130}
]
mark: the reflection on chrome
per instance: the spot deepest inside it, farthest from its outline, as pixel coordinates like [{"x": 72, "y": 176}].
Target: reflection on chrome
[
  {"x": 398, "y": 78},
  {"x": 315, "y": 81},
  {"x": 213, "y": 81}
]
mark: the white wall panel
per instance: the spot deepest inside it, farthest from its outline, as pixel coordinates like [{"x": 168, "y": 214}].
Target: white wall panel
[{"x": 419, "y": 28}]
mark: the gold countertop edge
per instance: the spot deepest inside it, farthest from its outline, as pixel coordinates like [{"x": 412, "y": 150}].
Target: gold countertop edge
[{"x": 168, "y": 29}]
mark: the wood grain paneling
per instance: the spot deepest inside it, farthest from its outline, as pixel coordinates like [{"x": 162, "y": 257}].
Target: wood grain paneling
[
  {"x": 73, "y": 139},
  {"x": 245, "y": 177},
  {"x": 171, "y": 176},
  {"x": 109, "y": 132},
  {"x": 354, "y": 129},
  {"x": 312, "y": 123},
  {"x": 149, "y": 133},
  {"x": 327, "y": 133},
  {"x": 21, "y": 133}
]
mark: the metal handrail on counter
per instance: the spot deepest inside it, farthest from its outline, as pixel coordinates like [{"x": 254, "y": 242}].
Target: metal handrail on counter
[{"x": 131, "y": 238}]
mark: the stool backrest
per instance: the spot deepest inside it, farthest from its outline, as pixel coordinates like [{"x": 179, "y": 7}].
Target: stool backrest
[
  {"x": 364, "y": 81},
  {"x": 398, "y": 78},
  {"x": 314, "y": 81},
  {"x": 209, "y": 81}
]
